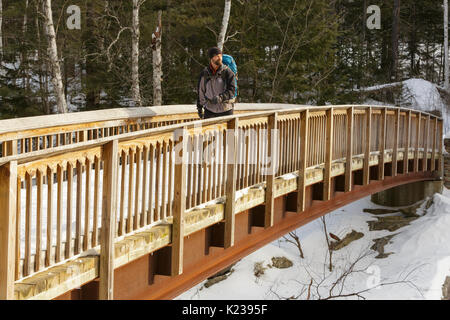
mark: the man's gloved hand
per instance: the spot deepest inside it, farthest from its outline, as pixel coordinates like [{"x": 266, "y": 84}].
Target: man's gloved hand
[
  {"x": 216, "y": 100},
  {"x": 200, "y": 113}
]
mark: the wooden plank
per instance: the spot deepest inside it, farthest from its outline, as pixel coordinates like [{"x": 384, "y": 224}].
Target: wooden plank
[
  {"x": 349, "y": 155},
  {"x": 68, "y": 248},
  {"x": 179, "y": 203},
  {"x": 170, "y": 178},
  {"x": 304, "y": 140},
  {"x": 143, "y": 221},
  {"x": 87, "y": 205},
  {"x": 96, "y": 201},
  {"x": 151, "y": 188},
  {"x": 157, "y": 181},
  {"x": 18, "y": 220},
  {"x": 59, "y": 213},
  {"x": 8, "y": 193},
  {"x": 196, "y": 171},
  {"x": 328, "y": 155},
  {"x": 39, "y": 213},
  {"x": 382, "y": 144},
  {"x": 407, "y": 142},
  {"x": 109, "y": 200},
  {"x": 395, "y": 149},
  {"x": 50, "y": 182},
  {"x": 441, "y": 149},
  {"x": 366, "y": 167},
  {"x": 271, "y": 174},
  {"x": 28, "y": 209},
  {"x": 433, "y": 151},
  {"x": 418, "y": 132},
  {"x": 79, "y": 208},
  {"x": 131, "y": 193},
  {"x": 137, "y": 188},
  {"x": 122, "y": 193},
  {"x": 232, "y": 144},
  {"x": 426, "y": 146},
  {"x": 164, "y": 181}
]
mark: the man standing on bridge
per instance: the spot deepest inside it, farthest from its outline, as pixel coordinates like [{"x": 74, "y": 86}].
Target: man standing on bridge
[{"x": 216, "y": 88}]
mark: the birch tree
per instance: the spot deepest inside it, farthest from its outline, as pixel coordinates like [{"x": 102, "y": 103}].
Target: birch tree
[
  {"x": 225, "y": 20},
  {"x": 446, "y": 62},
  {"x": 58, "y": 86},
  {"x": 135, "y": 88},
  {"x": 157, "y": 63}
]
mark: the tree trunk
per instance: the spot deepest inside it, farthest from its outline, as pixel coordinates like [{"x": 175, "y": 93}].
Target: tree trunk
[
  {"x": 135, "y": 90},
  {"x": 1, "y": 30},
  {"x": 223, "y": 30},
  {"x": 395, "y": 32},
  {"x": 157, "y": 63},
  {"x": 58, "y": 86},
  {"x": 446, "y": 63}
]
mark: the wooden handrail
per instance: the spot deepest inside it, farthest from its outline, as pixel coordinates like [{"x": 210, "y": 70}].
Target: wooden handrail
[{"x": 137, "y": 180}]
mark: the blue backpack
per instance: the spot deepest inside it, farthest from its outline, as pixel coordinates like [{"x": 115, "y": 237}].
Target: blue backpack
[{"x": 231, "y": 63}]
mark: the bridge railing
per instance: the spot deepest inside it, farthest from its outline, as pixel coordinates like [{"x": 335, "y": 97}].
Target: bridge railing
[{"x": 57, "y": 204}]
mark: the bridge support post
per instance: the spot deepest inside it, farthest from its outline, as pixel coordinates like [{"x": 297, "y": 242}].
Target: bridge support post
[
  {"x": 8, "y": 193},
  {"x": 349, "y": 156},
  {"x": 108, "y": 230},
  {"x": 395, "y": 149},
  {"x": 270, "y": 177},
  {"x": 407, "y": 143},
  {"x": 366, "y": 167},
  {"x": 231, "y": 159},
  {"x": 425, "y": 148},
  {"x": 328, "y": 155},
  {"x": 179, "y": 202},
  {"x": 382, "y": 144},
  {"x": 418, "y": 129},
  {"x": 304, "y": 138}
]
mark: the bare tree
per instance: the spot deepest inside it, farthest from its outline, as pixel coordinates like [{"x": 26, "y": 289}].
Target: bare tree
[
  {"x": 58, "y": 86},
  {"x": 395, "y": 35},
  {"x": 294, "y": 239},
  {"x": 225, "y": 20},
  {"x": 157, "y": 63},
  {"x": 135, "y": 88},
  {"x": 446, "y": 62},
  {"x": 1, "y": 31}
]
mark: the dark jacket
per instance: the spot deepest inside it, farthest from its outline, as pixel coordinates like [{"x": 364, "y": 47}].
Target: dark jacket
[{"x": 222, "y": 84}]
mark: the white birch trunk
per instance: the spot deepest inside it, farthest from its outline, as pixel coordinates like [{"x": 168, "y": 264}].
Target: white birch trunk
[
  {"x": 223, "y": 29},
  {"x": 58, "y": 86},
  {"x": 135, "y": 89},
  {"x": 157, "y": 63},
  {"x": 446, "y": 64},
  {"x": 1, "y": 30}
]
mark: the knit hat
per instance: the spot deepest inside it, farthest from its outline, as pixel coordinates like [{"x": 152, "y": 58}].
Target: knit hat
[{"x": 214, "y": 51}]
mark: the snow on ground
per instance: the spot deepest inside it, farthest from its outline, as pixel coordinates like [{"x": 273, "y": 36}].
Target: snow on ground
[{"x": 416, "y": 269}]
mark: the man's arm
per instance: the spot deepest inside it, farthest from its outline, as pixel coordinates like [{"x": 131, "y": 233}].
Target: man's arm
[
  {"x": 230, "y": 79},
  {"x": 201, "y": 99}
]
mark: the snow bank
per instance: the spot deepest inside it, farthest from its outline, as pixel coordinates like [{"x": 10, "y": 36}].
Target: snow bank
[{"x": 416, "y": 269}]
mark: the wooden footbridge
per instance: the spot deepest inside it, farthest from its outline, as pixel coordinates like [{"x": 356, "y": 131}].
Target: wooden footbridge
[{"x": 145, "y": 203}]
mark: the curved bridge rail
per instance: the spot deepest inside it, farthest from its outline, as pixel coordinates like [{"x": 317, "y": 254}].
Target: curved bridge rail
[{"x": 133, "y": 194}]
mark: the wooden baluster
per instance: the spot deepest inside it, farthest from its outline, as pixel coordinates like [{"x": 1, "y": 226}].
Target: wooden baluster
[
  {"x": 179, "y": 204},
  {"x": 109, "y": 201},
  {"x": 50, "y": 178},
  {"x": 157, "y": 182},
  {"x": 196, "y": 173},
  {"x": 232, "y": 144},
  {"x": 366, "y": 168},
  {"x": 164, "y": 181},
  {"x": 8, "y": 193},
  {"x": 39, "y": 213},
  {"x": 170, "y": 178},
  {"x": 59, "y": 213},
  {"x": 304, "y": 147},
  {"x": 407, "y": 142},
  {"x": 382, "y": 144},
  {"x": 349, "y": 155},
  {"x": 145, "y": 183},
  {"x": 190, "y": 151},
  {"x": 137, "y": 188},
  {"x": 204, "y": 167},
  {"x": 214, "y": 164},
  {"x": 418, "y": 133},
  {"x": 131, "y": 176},
  {"x": 425, "y": 157},
  {"x": 151, "y": 187},
  {"x": 87, "y": 204},
  {"x": 433, "y": 152},
  {"x": 328, "y": 155},
  {"x": 28, "y": 209},
  {"x": 271, "y": 174},
  {"x": 441, "y": 149},
  {"x": 123, "y": 166},
  {"x": 96, "y": 201},
  {"x": 68, "y": 250},
  {"x": 18, "y": 220},
  {"x": 79, "y": 208},
  {"x": 396, "y": 138}
]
